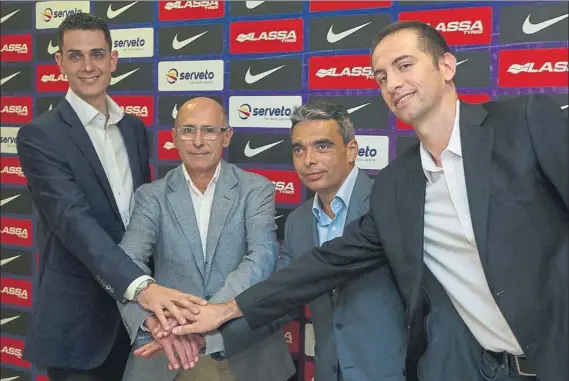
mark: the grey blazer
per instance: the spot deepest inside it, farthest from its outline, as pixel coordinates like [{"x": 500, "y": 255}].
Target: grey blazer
[{"x": 241, "y": 251}]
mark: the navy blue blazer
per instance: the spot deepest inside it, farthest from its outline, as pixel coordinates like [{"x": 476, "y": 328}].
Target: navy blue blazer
[{"x": 82, "y": 271}]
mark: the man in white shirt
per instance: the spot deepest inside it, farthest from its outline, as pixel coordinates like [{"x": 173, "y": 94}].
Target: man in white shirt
[
  {"x": 480, "y": 207},
  {"x": 82, "y": 161},
  {"x": 209, "y": 228}
]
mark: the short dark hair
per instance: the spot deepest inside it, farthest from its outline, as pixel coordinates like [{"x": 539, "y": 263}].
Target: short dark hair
[
  {"x": 317, "y": 109},
  {"x": 430, "y": 40},
  {"x": 83, "y": 21}
]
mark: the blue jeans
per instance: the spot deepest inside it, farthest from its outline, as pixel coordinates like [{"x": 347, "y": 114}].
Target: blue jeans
[{"x": 491, "y": 370}]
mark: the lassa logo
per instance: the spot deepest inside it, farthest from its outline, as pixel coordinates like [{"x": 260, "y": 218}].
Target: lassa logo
[
  {"x": 49, "y": 79},
  {"x": 287, "y": 184},
  {"x": 11, "y": 353},
  {"x": 16, "y": 47},
  {"x": 459, "y": 26},
  {"x": 266, "y": 36},
  {"x": 166, "y": 149},
  {"x": 12, "y": 171},
  {"x": 291, "y": 334},
  {"x": 141, "y": 106},
  {"x": 16, "y": 231},
  {"x": 16, "y": 292},
  {"x": 190, "y": 10},
  {"x": 533, "y": 68},
  {"x": 16, "y": 109},
  {"x": 340, "y": 72}
]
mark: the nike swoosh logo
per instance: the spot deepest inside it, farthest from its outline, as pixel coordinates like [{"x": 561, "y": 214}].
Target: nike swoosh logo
[
  {"x": 250, "y": 152},
  {"x": 564, "y": 107},
  {"x": 7, "y": 320},
  {"x": 175, "y": 111},
  {"x": 52, "y": 49},
  {"x": 180, "y": 44},
  {"x": 461, "y": 62},
  {"x": 9, "y": 378},
  {"x": 116, "y": 80},
  {"x": 277, "y": 217},
  {"x": 7, "y": 200},
  {"x": 8, "y": 260},
  {"x": 354, "y": 109},
  {"x": 335, "y": 37},
  {"x": 4, "y": 18},
  {"x": 250, "y": 78},
  {"x": 114, "y": 13},
  {"x": 6, "y": 79},
  {"x": 50, "y": 106},
  {"x": 530, "y": 28},
  {"x": 253, "y": 4}
]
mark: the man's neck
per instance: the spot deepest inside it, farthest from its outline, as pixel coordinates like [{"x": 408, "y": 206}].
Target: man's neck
[
  {"x": 99, "y": 102},
  {"x": 435, "y": 129},
  {"x": 325, "y": 197},
  {"x": 201, "y": 179}
]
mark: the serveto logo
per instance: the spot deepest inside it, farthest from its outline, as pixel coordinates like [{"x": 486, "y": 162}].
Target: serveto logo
[
  {"x": 16, "y": 292},
  {"x": 190, "y": 10},
  {"x": 50, "y": 14},
  {"x": 340, "y": 72},
  {"x": 49, "y": 79},
  {"x": 190, "y": 75},
  {"x": 141, "y": 106},
  {"x": 16, "y": 109},
  {"x": 262, "y": 111},
  {"x": 266, "y": 36},
  {"x": 545, "y": 68},
  {"x": 16, "y": 231},
  {"x": 459, "y": 26},
  {"x": 133, "y": 42},
  {"x": 287, "y": 184},
  {"x": 8, "y": 141},
  {"x": 372, "y": 152}
]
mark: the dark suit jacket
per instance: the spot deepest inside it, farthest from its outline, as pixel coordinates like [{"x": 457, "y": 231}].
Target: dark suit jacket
[
  {"x": 517, "y": 177},
  {"x": 82, "y": 270}
]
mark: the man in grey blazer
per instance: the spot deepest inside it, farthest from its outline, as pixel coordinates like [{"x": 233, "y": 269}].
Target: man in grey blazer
[
  {"x": 209, "y": 227},
  {"x": 359, "y": 327}
]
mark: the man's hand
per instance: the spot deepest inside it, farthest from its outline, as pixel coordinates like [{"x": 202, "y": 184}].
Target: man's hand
[
  {"x": 210, "y": 317},
  {"x": 157, "y": 298},
  {"x": 187, "y": 347}
]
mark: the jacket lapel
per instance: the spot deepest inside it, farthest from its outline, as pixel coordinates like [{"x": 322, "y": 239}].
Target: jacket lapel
[
  {"x": 477, "y": 142},
  {"x": 223, "y": 199},
  {"x": 81, "y": 139},
  {"x": 359, "y": 201},
  {"x": 131, "y": 143},
  {"x": 180, "y": 201}
]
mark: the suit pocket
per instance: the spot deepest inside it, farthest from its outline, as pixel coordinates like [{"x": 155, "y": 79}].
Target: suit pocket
[{"x": 522, "y": 188}]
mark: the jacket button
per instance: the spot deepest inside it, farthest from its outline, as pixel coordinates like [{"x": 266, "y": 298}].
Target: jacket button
[
  {"x": 208, "y": 297},
  {"x": 339, "y": 326}
]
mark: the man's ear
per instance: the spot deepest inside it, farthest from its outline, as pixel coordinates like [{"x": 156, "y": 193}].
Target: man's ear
[{"x": 353, "y": 148}]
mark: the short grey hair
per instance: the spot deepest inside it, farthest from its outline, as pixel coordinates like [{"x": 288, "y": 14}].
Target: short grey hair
[{"x": 317, "y": 109}]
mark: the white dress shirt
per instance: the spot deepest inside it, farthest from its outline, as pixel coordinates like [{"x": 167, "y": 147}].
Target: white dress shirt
[
  {"x": 111, "y": 150},
  {"x": 450, "y": 250},
  {"x": 202, "y": 203}
]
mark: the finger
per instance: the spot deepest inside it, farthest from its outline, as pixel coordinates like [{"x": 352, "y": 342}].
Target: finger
[
  {"x": 183, "y": 357},
  {"x": 194, "y": 348},
  {"x": 187, "y": 300},
  {"x": 169, "y": 351},
  {"x": 191, "y": 349},
  {"x": 186, "y": 329},
  {"x": 160, "y": 315},
  {"x": 152, "y": 351},
  {"x": 177, "y": 314},
  {"x": 143, "y": 348}
]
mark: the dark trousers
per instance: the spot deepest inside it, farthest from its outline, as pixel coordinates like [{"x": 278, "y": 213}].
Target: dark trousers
[
  {"x": 491, "y": 369},
  {"x": 110, "y": 370}
]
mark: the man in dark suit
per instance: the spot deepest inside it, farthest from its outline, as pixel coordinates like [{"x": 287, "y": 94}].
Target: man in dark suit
[
  {"x": 82, "y": 161},
  {"x": 479, "y": 209}
]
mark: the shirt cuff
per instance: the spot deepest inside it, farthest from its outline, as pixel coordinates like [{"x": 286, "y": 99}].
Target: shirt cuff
[
  {"x": 131, "y": 289},
  {"x": 143, "y": 325},
  {"x": 214, "y": 343}
]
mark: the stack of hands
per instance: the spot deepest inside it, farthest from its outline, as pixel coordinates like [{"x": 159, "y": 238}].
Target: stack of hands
[{"x": 178, "y": 324}]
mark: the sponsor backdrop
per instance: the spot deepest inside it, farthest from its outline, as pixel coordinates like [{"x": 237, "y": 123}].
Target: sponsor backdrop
[{"x": 259, "y": 59}]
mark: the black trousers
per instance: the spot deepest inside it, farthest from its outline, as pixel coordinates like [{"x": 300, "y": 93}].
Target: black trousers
[{"x": 110, "y": 370}]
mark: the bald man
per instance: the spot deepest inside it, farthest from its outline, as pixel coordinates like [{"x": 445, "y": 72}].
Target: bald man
[{"x": 209, "y": 227}]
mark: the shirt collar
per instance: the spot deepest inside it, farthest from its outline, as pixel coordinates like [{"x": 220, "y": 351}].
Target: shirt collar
[
  {"x": 213, "y": 180},
  {"x": 344, "y": 194},
  {"x": 453, "y": 146},
  {"x": 86, "y": 112}
]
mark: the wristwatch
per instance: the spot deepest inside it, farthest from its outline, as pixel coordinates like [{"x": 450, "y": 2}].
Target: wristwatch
[{"x": 141, "y": 287}]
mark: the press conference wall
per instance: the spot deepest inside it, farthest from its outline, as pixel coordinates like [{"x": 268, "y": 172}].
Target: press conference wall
[{"x": 259, "y": 59}]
